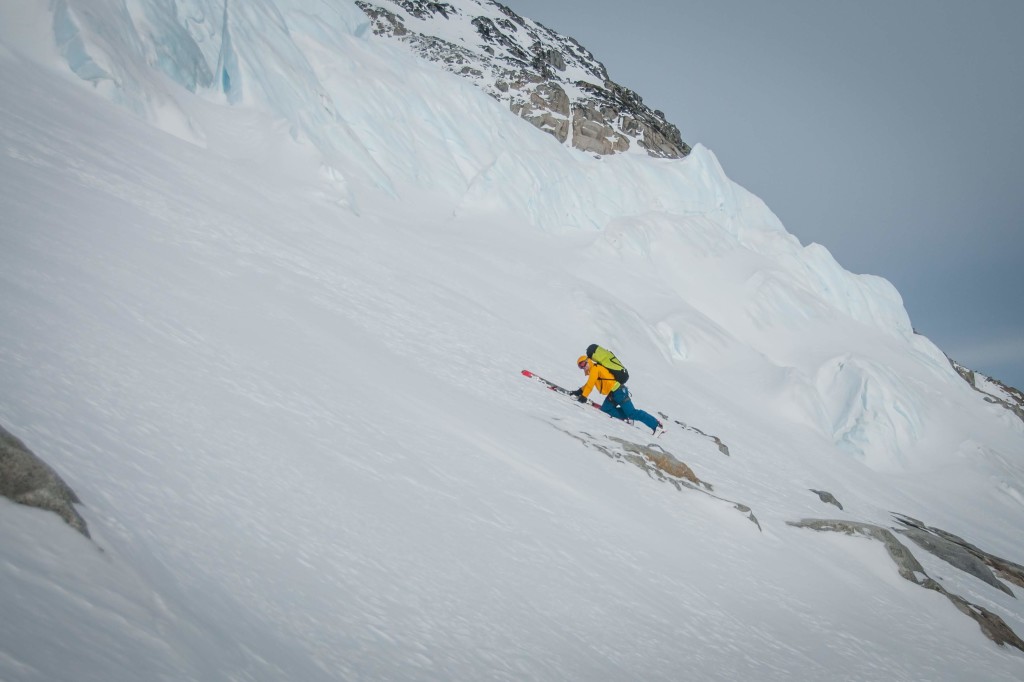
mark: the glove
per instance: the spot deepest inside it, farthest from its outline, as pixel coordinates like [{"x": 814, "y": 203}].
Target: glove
[
  {"x": 578, "y": 395},
  {"x": 582, "y": 398}
]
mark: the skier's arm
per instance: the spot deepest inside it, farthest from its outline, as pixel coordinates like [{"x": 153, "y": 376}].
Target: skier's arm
[{"x": 591, "y": 382}]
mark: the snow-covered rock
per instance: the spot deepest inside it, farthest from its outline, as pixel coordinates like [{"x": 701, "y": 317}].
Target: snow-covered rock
[{"x": 548, "y": 79}]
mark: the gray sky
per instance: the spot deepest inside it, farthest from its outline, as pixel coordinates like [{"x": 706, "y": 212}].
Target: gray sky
[{"x": 890, "y": 131}]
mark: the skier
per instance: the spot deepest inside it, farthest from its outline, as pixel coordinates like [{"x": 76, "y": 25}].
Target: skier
[{"x": 617, "y": 402}]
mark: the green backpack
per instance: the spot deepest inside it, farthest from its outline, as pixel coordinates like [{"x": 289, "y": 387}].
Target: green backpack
[{"x": 607, "y": 359}]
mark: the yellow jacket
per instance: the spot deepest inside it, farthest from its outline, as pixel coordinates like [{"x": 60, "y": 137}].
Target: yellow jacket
[{"x": 598, "y": 376}]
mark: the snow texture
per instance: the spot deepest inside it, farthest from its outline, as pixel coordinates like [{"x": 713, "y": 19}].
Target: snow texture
[{"x": 267, "y": 284}]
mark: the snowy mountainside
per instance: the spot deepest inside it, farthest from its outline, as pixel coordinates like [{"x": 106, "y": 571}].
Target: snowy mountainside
[{"x": 266, "y": 294}]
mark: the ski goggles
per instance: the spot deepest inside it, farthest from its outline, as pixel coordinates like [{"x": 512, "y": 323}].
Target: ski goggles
[{"x": 582, "y": 364}]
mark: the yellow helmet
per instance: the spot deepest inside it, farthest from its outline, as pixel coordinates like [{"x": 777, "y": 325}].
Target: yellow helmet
[{"x": 582, "y": 362}]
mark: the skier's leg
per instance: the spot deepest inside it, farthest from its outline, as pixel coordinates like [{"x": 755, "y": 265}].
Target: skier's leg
[
  {"x": 616, "y": 402},
  {"x": 631, "y": 412},
  {"x": 609, "y": 408}
]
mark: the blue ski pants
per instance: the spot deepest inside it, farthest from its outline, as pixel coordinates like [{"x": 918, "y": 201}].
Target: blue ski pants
[{"x": 619, "y": 404}]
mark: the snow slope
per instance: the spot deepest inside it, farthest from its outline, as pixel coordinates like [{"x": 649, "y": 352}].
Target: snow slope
[{"x": 267, "y": 285}]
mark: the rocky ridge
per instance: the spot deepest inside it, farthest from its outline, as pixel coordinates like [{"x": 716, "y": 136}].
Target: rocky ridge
[
  {"x": 545, "y": 78},
  {"x": 992, "y": 390},
  {"x": 953, "y": 550}
]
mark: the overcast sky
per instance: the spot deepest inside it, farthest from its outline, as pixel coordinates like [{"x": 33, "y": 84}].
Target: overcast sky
[{"x": 890, "y": 131}]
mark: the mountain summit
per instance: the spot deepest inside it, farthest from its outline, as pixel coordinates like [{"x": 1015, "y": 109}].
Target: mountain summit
[{"x": 546, "y": 78}]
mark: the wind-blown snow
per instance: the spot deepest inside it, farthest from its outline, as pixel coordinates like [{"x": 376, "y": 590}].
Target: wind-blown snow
[{"x": 267, "y": 285}]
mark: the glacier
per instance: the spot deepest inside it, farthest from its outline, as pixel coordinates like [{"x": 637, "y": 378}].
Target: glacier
[{"x": 268, "y": 282}]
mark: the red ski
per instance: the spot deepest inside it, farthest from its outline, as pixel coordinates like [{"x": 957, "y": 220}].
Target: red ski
[{"x": 555, "y": 387}]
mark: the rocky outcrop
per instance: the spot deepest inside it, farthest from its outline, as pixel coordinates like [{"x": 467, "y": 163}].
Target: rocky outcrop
[
  {"x": 26, "y": 479},
  {"x": 955, "y": 555},
  {"x": 827, "y": 497},
  {"x": 994, "y": 627},
  {"x": 656, "y": 457},
  {"x": 962, "y": 554},
  {"x": 545, "y": 78},
  {"x": 992, "y": 390},
  {"x": 657, "y": 463}
]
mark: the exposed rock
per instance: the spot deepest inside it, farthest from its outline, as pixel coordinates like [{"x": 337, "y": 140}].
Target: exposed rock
[
  {"x": 546, "y": 78},
  {"x": 994, "y": 627},
  {"x": 992, "y": 390},
  {"x": 1006, "y": 569},
  {"x": 662, "y": 461},
  {"x": 906, "y": 564},
  {"x": 657, "y": 463},
  {"x": 722, "y": 447},
  {"x": 956, "y": 556},
  {"x": 548, "y": 108},
  {"x": 26, "y": 479},
  {"x": 826, "y": 497},
  {"x": 385, "y": 23},
  {"x": 592, "y": 131}
]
